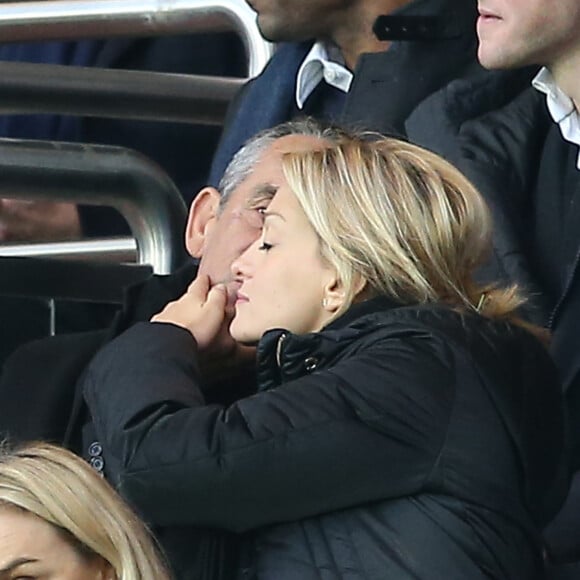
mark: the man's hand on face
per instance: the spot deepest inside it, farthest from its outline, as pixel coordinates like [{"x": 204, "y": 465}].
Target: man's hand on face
[{"x": 36, "y": 221}]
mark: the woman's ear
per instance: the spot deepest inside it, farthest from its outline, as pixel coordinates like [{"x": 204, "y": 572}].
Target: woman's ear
[
  {"x": 202, "y": 213},
  {"x": 104, "y": 570},
  {"x": 335, "y": 293}
]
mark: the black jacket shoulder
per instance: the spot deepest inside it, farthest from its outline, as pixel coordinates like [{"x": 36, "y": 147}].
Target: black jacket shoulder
[{"x": 38, "y": 385}]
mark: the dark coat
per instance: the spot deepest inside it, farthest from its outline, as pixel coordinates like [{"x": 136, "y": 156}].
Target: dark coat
[
  {"x": 41, "y": 400},
  {"x": 387, "y": 86},
  {"x": 46, "y": 371},
  {"x": 400, "y": 442},
  {"x": 500, "y": 152}
]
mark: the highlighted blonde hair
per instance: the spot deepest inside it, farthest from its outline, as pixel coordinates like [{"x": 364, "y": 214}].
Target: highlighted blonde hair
[
  {"x": 60, "y": 488},
  {"x": 401, "y": 219}
]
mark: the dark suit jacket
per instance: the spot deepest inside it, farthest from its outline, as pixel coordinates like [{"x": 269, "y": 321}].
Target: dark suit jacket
[
  {"x": 40, "y": 400},
  {"x": 387, "y": 86},
  {"x": 38, "y": 381}
]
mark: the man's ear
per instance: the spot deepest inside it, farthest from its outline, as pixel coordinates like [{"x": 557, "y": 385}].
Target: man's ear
[{"x": 202, "y": 214}]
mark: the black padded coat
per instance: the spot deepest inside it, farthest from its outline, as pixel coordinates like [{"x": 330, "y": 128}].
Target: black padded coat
[{"x": 400, "y": 442}]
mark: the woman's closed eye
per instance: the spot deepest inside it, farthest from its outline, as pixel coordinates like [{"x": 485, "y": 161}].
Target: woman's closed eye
[{"x": 264, "y": 246}]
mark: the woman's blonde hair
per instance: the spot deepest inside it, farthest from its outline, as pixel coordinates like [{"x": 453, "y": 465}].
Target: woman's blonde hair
[
  {"x": 401, "y": 219},
  {"x": 59, "y": 487}
]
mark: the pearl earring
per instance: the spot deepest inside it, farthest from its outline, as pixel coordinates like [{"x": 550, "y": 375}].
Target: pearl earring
[{"x": 324, "y": 302}]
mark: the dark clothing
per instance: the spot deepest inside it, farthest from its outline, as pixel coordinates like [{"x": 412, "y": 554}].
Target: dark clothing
[
  {"x": 500, "y": 152},
  {"x": 386, "y": 88},
  {"x": 400, "y": 442},
  {"x": 518, "y": 159},
  {"x": 184, "y": 151},
  {"x": 324, "y": 103},
  {"x": 511, "y": 155},
  {"x": 47, "y": 372},
  {"x": 553, "y": 233}
]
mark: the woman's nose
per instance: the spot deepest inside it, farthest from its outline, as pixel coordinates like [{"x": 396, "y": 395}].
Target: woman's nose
[{"x": 242, "y": 264}]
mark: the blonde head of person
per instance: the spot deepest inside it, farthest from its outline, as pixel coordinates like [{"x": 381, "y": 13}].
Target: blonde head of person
[
  {"x": 387, "y": 218},
  {"x": 60, "y": 519}
]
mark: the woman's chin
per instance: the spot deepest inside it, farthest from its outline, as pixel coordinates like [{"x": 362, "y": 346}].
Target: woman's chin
[{"x": 240, "y": 333}]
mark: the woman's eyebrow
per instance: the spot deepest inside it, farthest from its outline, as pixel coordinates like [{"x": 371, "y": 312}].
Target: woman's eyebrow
[
  {"x": 267, "y": 213},
  {"x": 15, "y": 563}
]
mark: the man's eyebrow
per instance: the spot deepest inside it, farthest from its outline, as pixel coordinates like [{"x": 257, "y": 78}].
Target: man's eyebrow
[
  {"x": 15, "y": 563},
  {"x": 264, "y": 192}
]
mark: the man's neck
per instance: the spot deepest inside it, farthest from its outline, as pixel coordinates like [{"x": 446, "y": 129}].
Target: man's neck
[
  {"x": 356, "y": 37},
  {"x": 351, "y": 49}
]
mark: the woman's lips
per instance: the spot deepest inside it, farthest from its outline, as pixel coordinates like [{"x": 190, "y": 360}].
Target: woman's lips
[
  {"x": 485, "y": 14},
  {"x": 241, "y": 298},
  {"x": 486, "y": 18}
]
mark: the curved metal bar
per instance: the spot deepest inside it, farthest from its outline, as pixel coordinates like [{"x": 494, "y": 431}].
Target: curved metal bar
[
  {"x": 42, "y": 88},
  {"x": 73, "y": 19},
  {"x": 95, "y": 250},
  {"x": 102, "y": 175}
]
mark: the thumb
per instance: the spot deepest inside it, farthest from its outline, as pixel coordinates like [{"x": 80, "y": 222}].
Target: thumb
[
  {"x": 212, "y": 317},
  {"x": 217, "y": 297}
]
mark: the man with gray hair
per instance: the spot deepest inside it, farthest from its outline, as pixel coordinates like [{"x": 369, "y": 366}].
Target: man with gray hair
[{"x": 222, "y": 223}]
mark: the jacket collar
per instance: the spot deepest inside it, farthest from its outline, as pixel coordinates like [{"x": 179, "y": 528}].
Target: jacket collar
[
  {"x": 383, "y": 77},
  {"x": 284, "y": 356},
  {"x": 145, "y": 299}
]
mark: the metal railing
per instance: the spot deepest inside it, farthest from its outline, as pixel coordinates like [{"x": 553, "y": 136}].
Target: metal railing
[
  {"x": 101, "y": 175},
  {"x": 126, "y": 94},
  {"x": 117, "y": 249},
  {"x": 73, "y": 19},
  {"x": 31, "y": 88}
]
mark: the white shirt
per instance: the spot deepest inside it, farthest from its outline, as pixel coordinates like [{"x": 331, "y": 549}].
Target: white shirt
[
  {"x": 561, "y": 107},
  {"x": 322, "y": 62}
]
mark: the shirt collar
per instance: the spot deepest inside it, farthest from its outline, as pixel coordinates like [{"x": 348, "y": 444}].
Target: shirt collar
[
  {"x": 560, "y": 106},
  {"x": 322, "y": 62}
]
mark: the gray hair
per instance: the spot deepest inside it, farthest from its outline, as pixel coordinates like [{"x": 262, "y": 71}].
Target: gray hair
[{"x": 246, "y": 158}]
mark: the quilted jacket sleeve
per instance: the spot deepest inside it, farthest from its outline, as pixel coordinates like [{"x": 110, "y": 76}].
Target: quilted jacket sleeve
[{"x": 365, "y": 429}]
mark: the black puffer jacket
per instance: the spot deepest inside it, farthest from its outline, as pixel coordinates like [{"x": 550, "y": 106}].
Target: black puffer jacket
[{"x": 397, "y": 443}]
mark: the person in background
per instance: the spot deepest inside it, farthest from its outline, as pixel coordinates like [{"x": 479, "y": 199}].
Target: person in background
[
  {"x": 59, "y": 519},
  {"x": 525, "y": 159},
  {"x": 184, "y": 151},
  {"x": 407, "y": 423},
  {"x": 331, "y": 65}
]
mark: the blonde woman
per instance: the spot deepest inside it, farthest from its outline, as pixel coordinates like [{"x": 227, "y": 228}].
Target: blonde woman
[
  {"x": 406, "y": 425},
  {"x": 59, "y": 519}
]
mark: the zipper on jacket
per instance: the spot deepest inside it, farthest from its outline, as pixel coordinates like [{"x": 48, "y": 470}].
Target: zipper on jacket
[{"x": 279, "y": 345}]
